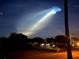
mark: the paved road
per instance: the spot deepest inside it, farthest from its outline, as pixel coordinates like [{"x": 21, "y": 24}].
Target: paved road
[{"x": 43, "y": 55}]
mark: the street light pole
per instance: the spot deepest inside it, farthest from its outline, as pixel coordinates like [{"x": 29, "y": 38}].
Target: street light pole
[{"x": 69, "y": 53}]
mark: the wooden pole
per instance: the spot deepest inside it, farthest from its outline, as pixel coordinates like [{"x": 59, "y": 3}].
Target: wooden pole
[{"x": 69, "y": 53}]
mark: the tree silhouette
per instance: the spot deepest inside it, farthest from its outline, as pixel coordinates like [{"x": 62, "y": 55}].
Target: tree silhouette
[
  {"x": 38, "y": 39},
  {"x": 61, "y": 40},
  {"x": 18, "y": 41},
  {"x": 3, "y": 46},
  {"x": 49, "y": 40}
]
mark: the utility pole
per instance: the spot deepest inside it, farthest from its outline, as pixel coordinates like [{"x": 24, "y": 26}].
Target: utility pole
[{"x": 69, "y": 53}]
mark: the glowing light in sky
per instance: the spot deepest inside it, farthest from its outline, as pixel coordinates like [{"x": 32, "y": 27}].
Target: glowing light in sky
[{"x": 39, "y": 24}]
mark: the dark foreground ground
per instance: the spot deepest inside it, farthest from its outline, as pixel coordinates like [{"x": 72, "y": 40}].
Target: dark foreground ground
[{"x": 36, "y": 54}]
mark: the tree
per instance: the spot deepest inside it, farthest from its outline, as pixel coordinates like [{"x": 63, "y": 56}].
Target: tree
[
  {"x": 61, "y": 40},
  {"x": 17, "y": 41},
  {"x": 49, "y": 40},
  {"x": 3, "y": 47},
  {"x": 38, "y": 39}
]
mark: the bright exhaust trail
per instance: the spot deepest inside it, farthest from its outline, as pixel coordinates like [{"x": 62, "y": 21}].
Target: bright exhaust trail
[{"x": 40, "y": 24}]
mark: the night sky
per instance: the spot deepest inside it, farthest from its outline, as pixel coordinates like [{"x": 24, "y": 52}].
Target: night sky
[{"x": 19, "y": 15}]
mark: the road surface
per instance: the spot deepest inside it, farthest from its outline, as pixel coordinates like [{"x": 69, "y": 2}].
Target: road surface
[{"x": 43, "y": 55}]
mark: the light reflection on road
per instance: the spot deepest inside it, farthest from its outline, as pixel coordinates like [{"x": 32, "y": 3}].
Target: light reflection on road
[{"x": 44, "y": 55}]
